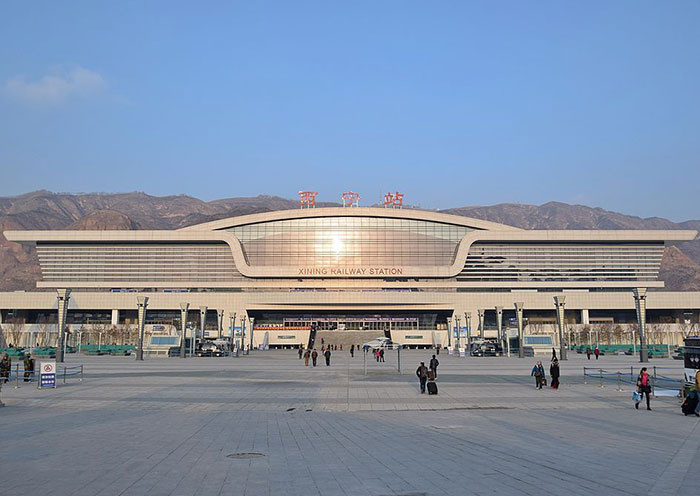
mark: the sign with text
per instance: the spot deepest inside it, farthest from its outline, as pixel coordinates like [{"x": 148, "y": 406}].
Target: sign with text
[
  {"x": 47, "y": 374},
  {"x": 350, "y": 271}
]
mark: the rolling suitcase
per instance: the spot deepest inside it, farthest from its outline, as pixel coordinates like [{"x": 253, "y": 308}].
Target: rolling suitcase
[
  {"x": 432, "y": 387},
  {"x": 688, "y": 406}
]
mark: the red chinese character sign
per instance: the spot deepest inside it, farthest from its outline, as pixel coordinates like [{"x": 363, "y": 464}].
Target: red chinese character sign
[
  {"x": 350, "y": 199},
  {"x": 307, "y": 199},
  {"x": 393, "y": 200}
]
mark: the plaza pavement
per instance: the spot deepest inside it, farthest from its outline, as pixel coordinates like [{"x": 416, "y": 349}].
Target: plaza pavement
[{"x": 166, "y": 426}]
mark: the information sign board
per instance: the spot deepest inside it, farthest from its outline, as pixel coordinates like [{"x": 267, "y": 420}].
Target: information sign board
[{"x": 47, "y": 374}]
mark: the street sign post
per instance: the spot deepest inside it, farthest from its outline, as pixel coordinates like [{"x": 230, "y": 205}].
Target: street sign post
[{"x": 47, "y": 375}]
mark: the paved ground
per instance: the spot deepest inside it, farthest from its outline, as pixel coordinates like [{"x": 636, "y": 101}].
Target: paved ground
[{"x": 167, "y": 426}]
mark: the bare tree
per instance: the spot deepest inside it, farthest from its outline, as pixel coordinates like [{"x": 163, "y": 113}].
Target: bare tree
[{"x": 14, "y": 329}]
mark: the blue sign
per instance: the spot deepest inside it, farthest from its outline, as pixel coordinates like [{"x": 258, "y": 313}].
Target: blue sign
[{"x": 48, "y": 380}]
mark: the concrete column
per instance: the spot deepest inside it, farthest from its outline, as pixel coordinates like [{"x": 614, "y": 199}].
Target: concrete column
[
  {"x": 115, "y": 316},
  {"x": 184, "y": 307},
  {"x": 585, "y": 320},
  {"x": 640, "y": 303},
  {"x": 480, "y": 314},
  {"x": 63, "y": 297},
  {"x": 499, "y": 325},
  {"x": 519, "y": 317},
  {"x": 142, "y": 302},
  {"x": 559, "y": 302},
  {"x": 202, "y": 322},
  {"x": 220, "y": 316}
]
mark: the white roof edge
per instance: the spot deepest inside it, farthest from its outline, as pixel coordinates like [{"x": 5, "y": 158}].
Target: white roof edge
[{"x": 300, "y": 213}]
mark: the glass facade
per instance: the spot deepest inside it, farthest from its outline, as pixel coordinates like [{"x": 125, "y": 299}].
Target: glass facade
[{"x": 349, "y": 241}]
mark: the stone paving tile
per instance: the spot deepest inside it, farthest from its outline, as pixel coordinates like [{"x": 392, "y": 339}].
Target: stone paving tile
[{"x": 165, "y": 427}]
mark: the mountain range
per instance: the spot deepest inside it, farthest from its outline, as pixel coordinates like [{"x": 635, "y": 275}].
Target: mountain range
[{"x": 19, "y": 267}]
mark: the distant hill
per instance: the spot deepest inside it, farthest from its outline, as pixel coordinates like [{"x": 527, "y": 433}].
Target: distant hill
[{"x": 19, "y": 267}]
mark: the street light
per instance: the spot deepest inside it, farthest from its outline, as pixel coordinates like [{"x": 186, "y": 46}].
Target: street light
[{"x": 459, "y": 335}]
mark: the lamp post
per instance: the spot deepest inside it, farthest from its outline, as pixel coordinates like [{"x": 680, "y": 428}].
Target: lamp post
[
  {"x": 501, "y": 331},
  {"x": 449, "y": 332},
  {"x": 459, "y": 334},
  {"x": 63, "y": 298},
  {"x": 243, "y": 319},
  {"x": 559, "y": 302},
  {"x": 232, "y": 319},
  {"x": 468, "y": 322},
  {"x": 184, "y": 307},
  {"x": 252, "y": 321},
  {"x": 142, "y": 303},
  {"x": 640, "y": 303},
  {"x": 519, "y": 318}
]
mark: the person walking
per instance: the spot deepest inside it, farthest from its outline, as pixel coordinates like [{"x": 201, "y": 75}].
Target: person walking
[
  {"x": 327, "y": 354},
  {"x": 307, "y": 355},
  {"x": 588, "y": 352},
  {"x": 352, "y": 351},
  {"x": 643, "y": 387},
  {"x": 28, "y": 367},
  {"x": 554, "y": 354},
  {"x": 376, "y": 355},
  {"x": 314, "y": 357},
  {"x": 554, "y": 372},
  {"x": 5, "y": 366},
  {"x": 538, "y": 373},
  {"x": 422, "y": 373},
  {"x": 301, "y": 352},
  {"x": 437, "y": 349},
  {"x": 596, "y": 352},
  {"x": 434, "y": 365},
  {"x": 381, "y": 355}
]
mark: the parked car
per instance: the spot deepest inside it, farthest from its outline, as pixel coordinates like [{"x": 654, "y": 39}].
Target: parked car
[
  {"x": 485, "y": 350},
  {"x": 209, "y": 350}
]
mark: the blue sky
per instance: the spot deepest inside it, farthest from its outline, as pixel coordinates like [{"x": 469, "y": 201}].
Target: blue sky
[{"x": 452, "y": 103}]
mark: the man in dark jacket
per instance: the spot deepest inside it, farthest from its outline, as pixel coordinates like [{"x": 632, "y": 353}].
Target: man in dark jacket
[
  {"x": 554, "y": 372},
  {"x": 422, "y": 373},
  {"x": 352, "y": 351},
  {"x": 5, "y": 367},
  {"x": 434, "y": 365},
  {"x": 28, "y": 368},
  {"x": 327, "y": 354},
  {"x": 301, "y": 352},
  {"x": 314, "y": 357}
]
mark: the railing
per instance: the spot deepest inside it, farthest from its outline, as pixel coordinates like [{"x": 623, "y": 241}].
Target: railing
[
  {"x": 68, "y": 371},
  {"x": 664, "y": 384}
]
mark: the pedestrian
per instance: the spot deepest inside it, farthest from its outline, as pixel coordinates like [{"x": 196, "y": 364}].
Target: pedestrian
[
  {"x": 28, "y": 367},
  {"x": 422, "y": 373},
  {"x": 588, "y": 352},
  {"x": 434, "y": 365},
  {"x": 5, "y": 366},
  {"x": 327, "y": 354},
  {"x": 437, "y": 349},
  {"x": 314, "y": 357},
  {"x": 352, "y": 351},
  {"x": 643, "y": 387},
  {"x": 538, "y": 373},
  {"x": 554, "y": 372},
  {"x": 376, "y": 355},
  {"x": 307, "y": 355},
  {"x": 301, "y": 352},
  {"x": 341, "y": 347},
  {"x": 554, "y": 354},
  {"x": 323, "y": 348},
  {"x": 596, "y": 352},
  {"x": 381, "y": 355}
]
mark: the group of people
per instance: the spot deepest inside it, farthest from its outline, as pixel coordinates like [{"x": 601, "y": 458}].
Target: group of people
[
  {"x": 313, "y": 355},
  {"x": 595, "y": 351},
  {"x": 426, "y": 374},
  {"x": 6, "y": 367},
  {"x": 538, "y": 373}
]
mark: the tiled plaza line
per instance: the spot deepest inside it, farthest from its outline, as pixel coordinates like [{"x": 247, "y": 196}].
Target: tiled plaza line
[{"x": 166, "y": 426}]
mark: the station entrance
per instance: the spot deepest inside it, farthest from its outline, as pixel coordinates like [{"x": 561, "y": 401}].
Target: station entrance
[{"x": 345, "y": 327}]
